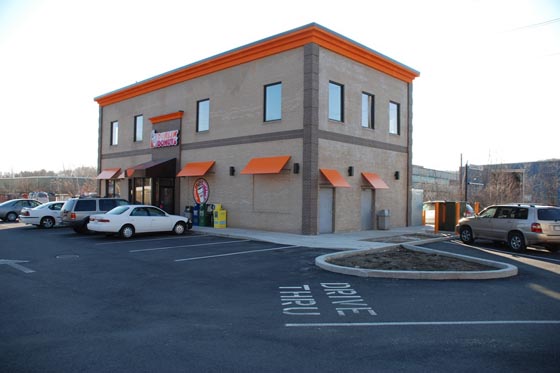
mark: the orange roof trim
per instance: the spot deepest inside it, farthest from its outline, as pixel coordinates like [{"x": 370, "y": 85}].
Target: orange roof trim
[
  {"x": 167, "y": 117},
  {"x": 267, "y": 165},
  {"x": 335, "y": 178},
  {"x": 196, "y": 169},
  {"x": 312, "y": 33},
  {"x": 108, "y": 173},
  {"x": 375, "y": 180}
]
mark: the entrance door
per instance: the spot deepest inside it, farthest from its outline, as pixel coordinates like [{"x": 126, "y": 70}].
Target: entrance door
[
  {"x": 326, "y": 196},
  {"x": 167, "y": 201},
  {"x": 367, "y": 209}
]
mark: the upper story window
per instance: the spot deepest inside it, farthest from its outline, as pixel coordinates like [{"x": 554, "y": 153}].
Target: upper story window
[
  {"x": 138, "y": 127},
  {"x": 115, "y": 133},
  {"x": 273, "y": 102},
  {"x": 394, "y": 118},
  {"x": 368, "y": 110},
  {"x": 203, "y": 115},
  {"x": 336, "y": 102}
]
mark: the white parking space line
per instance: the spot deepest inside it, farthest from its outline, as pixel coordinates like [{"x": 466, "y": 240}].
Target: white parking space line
[
  {"x": 178, "y": 246},
  {"x": 149, "y": 239},
  {"x": 236, "y": 253},
  {"x": 506, "y": 254},
  {"x": 426, "y": 323}
]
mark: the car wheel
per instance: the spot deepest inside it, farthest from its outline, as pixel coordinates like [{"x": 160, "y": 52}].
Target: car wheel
[
  {"x": 11, "y": 216},
  {"x": 179, "y": 228},
  {"x": 466, "y": 235},
  {"x": 126, "y": 231},
  {"x": 516, "y": 241},
  {"x": 47, "y": 222}
]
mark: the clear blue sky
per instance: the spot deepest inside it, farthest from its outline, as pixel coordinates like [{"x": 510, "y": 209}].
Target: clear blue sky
[{"x": 488, "y": 87}]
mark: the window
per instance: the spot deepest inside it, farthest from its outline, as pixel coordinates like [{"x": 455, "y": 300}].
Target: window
[
  {"x": 115, "y": 133},
  {"x": 394, "y": 118},
  {"x": 368, "y": 110},
  {"x": 138, "y": 127},
  {"x": 203, "y": 115},
  {"x": 336, "y": 99},
  {"x": 273, "y": 102},
  {"x": 86, "y": 205}
]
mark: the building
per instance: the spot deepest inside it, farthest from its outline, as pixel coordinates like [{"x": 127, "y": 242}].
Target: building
[
  {"x": 435, "y": 184},
  {"x": 305, "y": 132},
  {"x": 531, "y": 182}
]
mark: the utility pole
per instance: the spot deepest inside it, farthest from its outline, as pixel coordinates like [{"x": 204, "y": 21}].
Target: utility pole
[{"x": 466, "y": 182}]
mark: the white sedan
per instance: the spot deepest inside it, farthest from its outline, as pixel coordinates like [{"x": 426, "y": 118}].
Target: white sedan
[
  {"x": 127, "y": 220},
  {"x": 46, "y": 215}
]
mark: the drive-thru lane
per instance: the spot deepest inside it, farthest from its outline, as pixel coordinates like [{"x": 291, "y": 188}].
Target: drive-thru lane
[{"x": 206, "y": 303}]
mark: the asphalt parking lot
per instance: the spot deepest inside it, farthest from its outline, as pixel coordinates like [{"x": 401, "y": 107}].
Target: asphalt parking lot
[{"x": 202, "y": 303}]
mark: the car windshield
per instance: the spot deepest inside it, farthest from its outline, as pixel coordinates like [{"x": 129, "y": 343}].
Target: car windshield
[
  {"x": 549, "y": 214},
  {"x": 118, "y": 210}
]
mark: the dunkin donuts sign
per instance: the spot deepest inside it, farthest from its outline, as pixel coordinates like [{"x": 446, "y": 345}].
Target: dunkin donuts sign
[
  {"x": 163, "y": 139},
  {"x": 201, "y": 191}
]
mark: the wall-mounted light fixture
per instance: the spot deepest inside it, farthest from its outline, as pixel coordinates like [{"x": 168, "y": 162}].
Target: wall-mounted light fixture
[
  {"x": 350, "y": 171},
  {"x": 397, "y": 175},
  {"x": 231, "y": 170},
  {"x": 296, "y": 168}
]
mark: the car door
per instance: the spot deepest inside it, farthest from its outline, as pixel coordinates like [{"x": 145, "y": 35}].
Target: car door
[
  {"x": 140, "y": 219},
  {"x": 503, "y": 222},
  {"x": 482, "y": 224},
  {"x": 159, "y": 220}
]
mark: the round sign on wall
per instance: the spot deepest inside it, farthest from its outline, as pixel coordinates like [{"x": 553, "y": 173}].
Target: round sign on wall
[{"x": 201, "y": 191}]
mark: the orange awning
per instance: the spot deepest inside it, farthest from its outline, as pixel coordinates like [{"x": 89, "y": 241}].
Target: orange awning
[
  {"x": 267, "y": 165},
  {"x": 335, "y": 178},
  {"x": 375, "y": 180},
  {"x": 108, "y": 173},
  {"x": 196, "y": 168}
]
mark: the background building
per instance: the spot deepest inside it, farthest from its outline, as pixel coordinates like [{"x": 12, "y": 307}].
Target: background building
[{"x": 306, "y": 132}]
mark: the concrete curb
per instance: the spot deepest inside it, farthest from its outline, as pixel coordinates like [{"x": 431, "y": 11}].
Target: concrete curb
[{"x": 503, "y": 269}]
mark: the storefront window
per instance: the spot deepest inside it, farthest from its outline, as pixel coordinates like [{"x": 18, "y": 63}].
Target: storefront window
[
  {"x": 141, "y": 189},
  {"x": 112, "y": 188}
]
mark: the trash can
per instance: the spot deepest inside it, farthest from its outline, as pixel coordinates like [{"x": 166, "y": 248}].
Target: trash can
[
  {"x": 383, "y": 217},
  {"x": 188, "y": 213},
  {"x": 196, "y": 213}
]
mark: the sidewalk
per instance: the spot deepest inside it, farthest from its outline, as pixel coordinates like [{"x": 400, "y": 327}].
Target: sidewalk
[{"x": 339, "y": 241}]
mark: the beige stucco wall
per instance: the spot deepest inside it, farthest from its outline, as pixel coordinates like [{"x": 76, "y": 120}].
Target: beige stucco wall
[
  {"x": 339, "y": 156},
  {"x": 357, "y": 78},
  {"x": 267, "y": 202},
  {"x": 236, "y": 103}
]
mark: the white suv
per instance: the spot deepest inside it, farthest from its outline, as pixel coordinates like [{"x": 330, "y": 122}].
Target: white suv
[{"x": 519, "y": 225}]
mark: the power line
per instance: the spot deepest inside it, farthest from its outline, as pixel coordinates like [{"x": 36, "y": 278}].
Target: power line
[{"x": 533, "y": 25}]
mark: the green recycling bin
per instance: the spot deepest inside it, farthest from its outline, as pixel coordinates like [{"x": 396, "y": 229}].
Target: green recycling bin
[{"x": 202, "y": 215}]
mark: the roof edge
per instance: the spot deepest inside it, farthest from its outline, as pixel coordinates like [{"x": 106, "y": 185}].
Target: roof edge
[{"x": 295, "y": 38}]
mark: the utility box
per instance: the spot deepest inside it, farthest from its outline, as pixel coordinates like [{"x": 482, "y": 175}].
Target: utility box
[{"x": 383, "y": 219}]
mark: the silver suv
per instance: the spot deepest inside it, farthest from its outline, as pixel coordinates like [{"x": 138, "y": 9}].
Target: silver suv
[
  {"x": 76, "y": 211},
  {"x": 519, "y": 225}
]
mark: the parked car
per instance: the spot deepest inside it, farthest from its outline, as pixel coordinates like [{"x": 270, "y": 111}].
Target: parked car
[
  {"x": 131, "y": 219},
  {"x": 46, "y": 215},
  {"x": 430, "y": 211},
  {"x": 42, "y": 197},
  {"x": 519, "y": 225},
  {"x": 76, "y": 211},
  {"x": 10, "y": 210}
]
